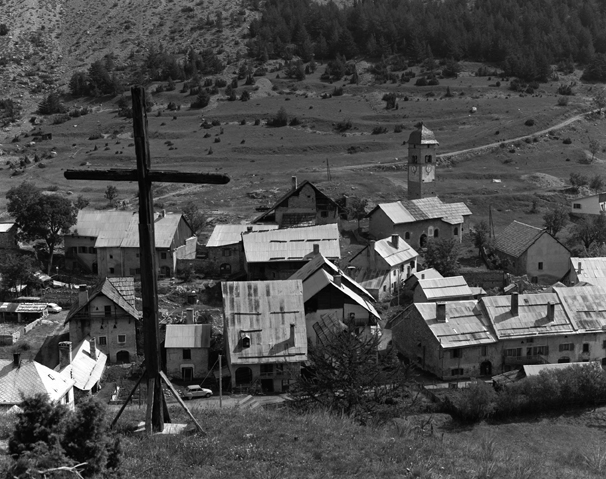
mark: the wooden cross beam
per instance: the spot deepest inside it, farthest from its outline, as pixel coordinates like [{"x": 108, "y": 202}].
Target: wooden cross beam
[{"x": 154, "y": 418}]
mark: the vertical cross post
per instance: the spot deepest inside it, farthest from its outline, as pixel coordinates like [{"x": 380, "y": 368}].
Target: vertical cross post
[{"x": 149, "y": 284}]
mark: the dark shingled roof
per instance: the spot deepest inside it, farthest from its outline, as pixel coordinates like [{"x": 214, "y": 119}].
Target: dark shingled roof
[{"x": 517, "y": 238}]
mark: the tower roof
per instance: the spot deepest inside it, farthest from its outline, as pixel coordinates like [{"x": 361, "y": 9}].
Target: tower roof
[{"x": 422, "y": 136}]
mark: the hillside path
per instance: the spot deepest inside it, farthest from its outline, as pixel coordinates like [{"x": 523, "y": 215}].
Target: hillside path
[{"x": 557, "y": 126}]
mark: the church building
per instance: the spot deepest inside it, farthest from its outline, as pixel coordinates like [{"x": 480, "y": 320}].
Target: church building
[{"x": 422, "y": 215}]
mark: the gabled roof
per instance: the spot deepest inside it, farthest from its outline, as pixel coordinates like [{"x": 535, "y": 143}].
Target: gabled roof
[
  {"x": 531, "y": 319},
  {"x": 387, "y": 250},
  {"x": 585, "y": 306},
  {"x": 591, "y": 268},
  {"x": 372, "y": 279},
  {"x": 85, "y": 371},
  {"x": 320, "y": 262},
  {"x": 450, "y": 287},
  {"x": 292, "y": 244},
  {"x": 284, "y": 198},
  {"x": 120, "y": 229},
  {"x": 6, "y": 227},
  {"x": 465, "y": 324},
  {"x": 409, "y": 211},
  {"x": 321, "y": 279},
  {"x": 272, "y": 314},
  {"x": 119, "y": 290},
  {"x": 188, "y": 336},
  {"x": 223, "y": 235},
  {"x": 429, "y": 273},
  {"x": 28, "y": 379},
  {"x": 517, "y": 238}
]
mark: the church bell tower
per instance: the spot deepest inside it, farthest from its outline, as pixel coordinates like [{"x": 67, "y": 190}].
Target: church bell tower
[{"x": 422, "y": 146}]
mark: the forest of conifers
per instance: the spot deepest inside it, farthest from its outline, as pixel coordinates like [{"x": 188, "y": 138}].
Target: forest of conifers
[{"x": 524, "y": 37}]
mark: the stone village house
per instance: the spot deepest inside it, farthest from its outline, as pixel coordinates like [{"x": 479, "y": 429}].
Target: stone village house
[
  {"x": 106, "y": 243},
  {"x": 108, "y": 314}
]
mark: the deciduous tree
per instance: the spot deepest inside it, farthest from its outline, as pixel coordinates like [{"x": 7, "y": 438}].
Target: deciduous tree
[
  {"x": 556, "y": 219},
  {"x": 193, "y": 216},
  {"x": 443, "y": 255}
]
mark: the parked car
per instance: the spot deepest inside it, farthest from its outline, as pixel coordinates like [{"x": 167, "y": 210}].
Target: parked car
[
  {"x": 53, "y": 308},
  {"x": 196, "y": 391}
]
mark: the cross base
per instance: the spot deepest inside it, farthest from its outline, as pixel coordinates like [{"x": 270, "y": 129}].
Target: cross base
[{"x": 169, "y": 428}]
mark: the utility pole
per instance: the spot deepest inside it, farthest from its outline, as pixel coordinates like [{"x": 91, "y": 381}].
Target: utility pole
[{"x": 220, "y": 383}]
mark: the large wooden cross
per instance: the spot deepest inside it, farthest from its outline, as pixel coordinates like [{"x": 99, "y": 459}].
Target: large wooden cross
[{"x": 156, "y": 406}]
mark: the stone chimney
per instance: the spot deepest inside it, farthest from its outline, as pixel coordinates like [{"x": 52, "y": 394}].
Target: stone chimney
[
  {"x": 550, "y": 311},
  {"x": 249, "y": 228},
  {"x": 294, "y": 183},
  {"x": 189, "y": 316},
  {"x": 337, "y": 279},
  {"x": 395, "y": 239},
  {"x": 371, "y": 255},
  {"x": 17, "y": 359},
  {"x": 65, "y": 354},
  {"x": 82, "y": 295},
  {"x": 441, "y": 312},
  {"x": 93, "y": 348},
  {"x": 316, "y": 249},
  {"x": 514, "y": 304}
]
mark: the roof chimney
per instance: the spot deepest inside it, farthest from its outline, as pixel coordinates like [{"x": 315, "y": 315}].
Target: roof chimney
[
  {"x": 514, "y": 304},
  {"x": 189, "y": 316},
  {"x": 16, "y": 359},
  {"x": 249, "y": 228},
  {"x": 337, "y": 279},
  {"x": 65, "y": 354},
  {"x": 441, "y": 312},
  {"x": 294, "y": 182},
  {"x": 395, "y": 239},
  {"x": 316, "y": 248},
  {"x": 550, "y": 311},
  {"x": 292, "y": 333},
  {"x": 371, "y": 250},
  {"x": 93, "y": 348},
  {"x": 579, "y": 267},
  {"x": 82, "y": 295}
]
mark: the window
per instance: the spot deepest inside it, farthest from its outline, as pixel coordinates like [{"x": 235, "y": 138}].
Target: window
[
  {"x": 162, "y": 255},
  {"x": 514, "y": 352},
  {"x": 567, "y": 347},
  {"x": 604, "y": 345},
  {"x": 455, "y": 231},
  {"x": 484, "y": 351},
  {"x": 111, "y": 270},
  {"x": 384, "y": 288},
  {"x": 121, "y": 338},
  {"x": 427, "y": 158},
  {"x": 576, "y": 206},
  {"x": 108, "y": 310},
  {"x": 540, "y": 351},
  {"x": 102, "y": 340},
  {"x": 540, "y": 265},
  {"x": 138, "y": 255},
  {"x": 407, "y": 235},
  {"x": 226, "y": 252},
  {"x": 585, "y": 347},
  {"x": 456, "y": 353},
  {"x": 457, "y": 372},
  {"x": 414, "y": 158},
  {"x": 436, "y": 233},
  {"x": 267, "y": 369},
  {"x": 111, "y": 256},
  {"x": 83, "y": 249},
  {"x": 412, "y": 264},
  {"x": 323, "y": 214},
  {"x": 430, "y": 231},
  {"x": 92, "y": 250},
  {"x": 187, "y": 354},
  {"x": 393, "y": 273}
]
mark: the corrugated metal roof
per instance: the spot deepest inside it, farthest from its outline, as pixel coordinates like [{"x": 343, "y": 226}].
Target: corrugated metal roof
[
  {"x": 265, "y": 311},
  {"x": 188, "y": 336},
  {"x": 292, "y": 244},
  {"x": 321, "y": 279},
  {"x": 395, "y": 255},
  {"x": 450, "y": 287},
  {"x": 223, "y": 235},
  {"x": 517, "y": 238},
  {"x": 585, "y": 305},
  {"x": 429, "y": 273},
  {"x": 591, "y": 268},
  {"x": 120, "y": 229},
  {"x": 531, "y": 318},
  {"x": 6, "y": 227},
  {"x": 320, "y": 262},
  {"x": 408, "y": 211},
  {"x": 28, "y": 379},
  {"x": 85, "y": 371},
  {"x": 465, "y": 324}
]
